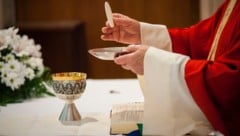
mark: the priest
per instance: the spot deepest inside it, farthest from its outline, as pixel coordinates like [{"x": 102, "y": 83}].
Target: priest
[{"x": 191, "y": 75}]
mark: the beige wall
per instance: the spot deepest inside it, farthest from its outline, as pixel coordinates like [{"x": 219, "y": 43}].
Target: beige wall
[{"x": 207, "y": 7}]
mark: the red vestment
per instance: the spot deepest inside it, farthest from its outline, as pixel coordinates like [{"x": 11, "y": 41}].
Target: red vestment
[{"x": 215, "y": 86}]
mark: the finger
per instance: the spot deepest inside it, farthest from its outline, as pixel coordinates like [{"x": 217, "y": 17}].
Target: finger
[
  {"x": 123, "y": 59},
  {"x": 107, "y": 30},
  {"x": 137, "y": 72},
  {"x": 126, "y": 67},
  {"x": 107, "y": 24},
  {"x": 132, "y": 48},
  {"x": 118, "y": 15},
  {"x": 107, "y": 37}
]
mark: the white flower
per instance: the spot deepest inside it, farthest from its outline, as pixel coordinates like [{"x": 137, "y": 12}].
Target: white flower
[
  {"x": 3, "y": 42},
  {"x": 20, "y": 61},
  {"x": 21, "y": 67},
  {"x": 14, "y": 66},
  {"x": 24, "y": 46},
  {"x": 13, "y": 74},
  {"x": 36, "y": 63},
  {"x": 14, "y": 80},
  {"x": 29, "y": 73},
  {"x": 9, "y": 57},
  {"x": 7, "y": 36}
]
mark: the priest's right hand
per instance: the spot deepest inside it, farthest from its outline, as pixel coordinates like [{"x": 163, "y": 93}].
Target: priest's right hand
[{"x": 126, "y": 30}]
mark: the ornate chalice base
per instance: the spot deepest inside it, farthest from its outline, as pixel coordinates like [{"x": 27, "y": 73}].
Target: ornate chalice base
[{"x": 69, "y": 86}]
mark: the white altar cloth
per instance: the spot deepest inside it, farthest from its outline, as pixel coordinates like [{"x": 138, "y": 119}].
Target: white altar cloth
[{"x": 39, "y": 117}]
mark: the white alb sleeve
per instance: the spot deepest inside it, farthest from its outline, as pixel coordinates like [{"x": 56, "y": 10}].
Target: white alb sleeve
[
  {"x": 169, "y": 107},
  {"x": 155, "y": 35}
]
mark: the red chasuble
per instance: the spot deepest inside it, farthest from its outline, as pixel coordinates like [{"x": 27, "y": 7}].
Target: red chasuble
[{"x": 214, "y": 85}]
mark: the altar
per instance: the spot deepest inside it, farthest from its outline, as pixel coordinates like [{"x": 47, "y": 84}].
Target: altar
[{"x": 39, "y": 117}]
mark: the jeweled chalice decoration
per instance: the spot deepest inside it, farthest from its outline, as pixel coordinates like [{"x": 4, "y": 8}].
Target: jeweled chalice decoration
[{"x": 69, "y": 86}]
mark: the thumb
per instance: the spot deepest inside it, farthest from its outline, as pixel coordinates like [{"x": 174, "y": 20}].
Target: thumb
[{"x": 132, "y": 47}]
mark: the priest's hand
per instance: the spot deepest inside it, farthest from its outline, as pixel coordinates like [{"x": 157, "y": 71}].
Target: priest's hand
[
  {"x": 126, "y": 30},
  {"x": 134, "y": 59}
]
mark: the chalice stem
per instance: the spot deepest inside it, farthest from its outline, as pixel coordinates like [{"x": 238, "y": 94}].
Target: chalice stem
[{"x": 69, "y": 113}]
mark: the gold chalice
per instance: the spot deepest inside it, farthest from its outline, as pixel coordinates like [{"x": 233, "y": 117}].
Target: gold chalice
[{"x": 69, "y": 86}]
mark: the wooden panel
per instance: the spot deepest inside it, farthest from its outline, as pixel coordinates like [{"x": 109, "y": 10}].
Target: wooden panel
[{"x": 91, "y": 12}]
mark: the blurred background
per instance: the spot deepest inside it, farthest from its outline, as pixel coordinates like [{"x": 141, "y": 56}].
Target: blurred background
[{"x": 66, "y": 29}]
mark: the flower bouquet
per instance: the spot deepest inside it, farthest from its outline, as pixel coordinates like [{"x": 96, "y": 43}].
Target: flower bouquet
[{"x": 22, "y": 73}]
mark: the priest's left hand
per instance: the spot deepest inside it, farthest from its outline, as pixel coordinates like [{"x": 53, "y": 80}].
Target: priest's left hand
[{"x": 134, "y": 59}]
